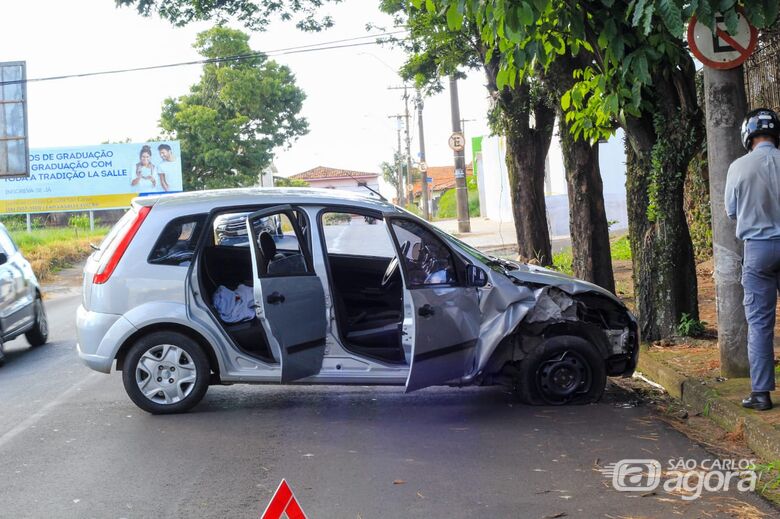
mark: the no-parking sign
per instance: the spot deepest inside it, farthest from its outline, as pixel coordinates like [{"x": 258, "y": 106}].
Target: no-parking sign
[{"x": 720, "y": 49}]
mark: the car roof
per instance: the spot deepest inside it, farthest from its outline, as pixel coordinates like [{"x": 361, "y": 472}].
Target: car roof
[{"x": 212, "y": 198}]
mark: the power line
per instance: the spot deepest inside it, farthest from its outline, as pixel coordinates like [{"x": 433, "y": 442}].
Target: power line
[{"x": 314, "y": 47}]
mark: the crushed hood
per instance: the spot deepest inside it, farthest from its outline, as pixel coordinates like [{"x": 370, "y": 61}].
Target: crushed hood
[{"x": 569, "y": 284}]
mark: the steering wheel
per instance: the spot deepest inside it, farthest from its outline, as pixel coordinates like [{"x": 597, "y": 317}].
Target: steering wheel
[{"x": 393, "y": 265}]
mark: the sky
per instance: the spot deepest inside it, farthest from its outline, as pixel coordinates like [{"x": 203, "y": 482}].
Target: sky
[{"x": 348, "y": 101}]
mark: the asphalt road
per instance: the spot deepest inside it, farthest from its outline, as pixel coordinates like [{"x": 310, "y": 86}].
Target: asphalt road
[{"x": 73, "y": 445}]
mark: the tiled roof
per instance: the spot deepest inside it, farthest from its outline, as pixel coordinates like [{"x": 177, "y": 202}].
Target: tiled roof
[
  {"x": 443, "y": 178},
  {"x": 322, "y": 173}
]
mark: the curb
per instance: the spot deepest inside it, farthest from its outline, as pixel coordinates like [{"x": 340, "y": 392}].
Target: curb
[{"x": 762, "y": 438}]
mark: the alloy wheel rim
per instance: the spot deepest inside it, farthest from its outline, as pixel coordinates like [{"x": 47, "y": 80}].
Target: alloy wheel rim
[
  {"x": 165, "y": 374},
  {"x": 563, "y": 377}
]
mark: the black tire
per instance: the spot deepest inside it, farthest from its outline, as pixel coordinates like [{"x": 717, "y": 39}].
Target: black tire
[
  {"x": 189, "y": 358},
  {"x": 39, "y": 333},
  {"x": 562, "y": 370}
]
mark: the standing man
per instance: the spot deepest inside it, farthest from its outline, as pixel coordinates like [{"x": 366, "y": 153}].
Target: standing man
[
  {"x": 164, "y": 167},
  {"x": 753, "y": 200}
]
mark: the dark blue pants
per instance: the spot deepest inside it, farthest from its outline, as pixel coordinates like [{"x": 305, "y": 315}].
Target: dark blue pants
[{"x": 761, "y": 280}]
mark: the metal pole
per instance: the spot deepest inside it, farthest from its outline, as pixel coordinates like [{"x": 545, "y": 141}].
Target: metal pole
[
  {"x": 461, "y": 192},
  {"x": 724, "y": 92},
  {"x": 29, "y": 223},
  {"x": 91, "y": 220},
  {"x": 401, "y": 189},
  {"x": 425, "y": 207},
  {"x": 409, "y": 181}
]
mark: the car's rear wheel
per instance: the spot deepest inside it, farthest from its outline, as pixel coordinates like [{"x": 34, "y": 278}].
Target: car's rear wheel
[
  {"x": 39, "y": 333},
  {"x": 165, "y": 372},
  {"x": 562, "y": 370}
]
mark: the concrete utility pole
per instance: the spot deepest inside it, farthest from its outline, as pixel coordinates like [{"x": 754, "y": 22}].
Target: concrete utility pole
[
  {"x": 461, "y": 192},
  {"x": 409, "y": 182},
  {"x": 724, "y": 93},
  {"x": 425, "y": 204},
  {"x": 398, "y": 165}
]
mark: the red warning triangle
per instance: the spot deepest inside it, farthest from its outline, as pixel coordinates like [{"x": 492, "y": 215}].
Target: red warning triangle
[{"x": 283, "y": 504}]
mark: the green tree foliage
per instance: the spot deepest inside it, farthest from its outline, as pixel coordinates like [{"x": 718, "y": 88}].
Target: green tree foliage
[
  {"x": 253, "y": 14},
  {"x": 629, "y": 38},
  {"x": 234, "y": 117},
  {"x": 523, "y": 112},
  {"x": 640, "y": 77},
  {"x": 289, "y": 182},
  {"x": 390, "y": 170}
]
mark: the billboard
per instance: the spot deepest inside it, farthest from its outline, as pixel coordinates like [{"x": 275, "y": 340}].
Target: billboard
[
  {"x": 13, "y": 119},
  {"x": 81, "y": 178}
]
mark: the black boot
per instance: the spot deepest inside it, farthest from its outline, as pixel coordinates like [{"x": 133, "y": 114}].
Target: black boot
[{"x": 759, "y": 401}]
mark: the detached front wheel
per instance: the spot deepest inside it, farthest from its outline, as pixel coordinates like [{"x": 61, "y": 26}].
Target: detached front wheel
[
  {"x": 562, "y": 370},
  {"x": 165, "y": 372}
]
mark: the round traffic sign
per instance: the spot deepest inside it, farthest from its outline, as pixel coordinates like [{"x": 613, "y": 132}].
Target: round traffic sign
[
  {"x": 720, "y": 49},
  {"x": 423, "y": 167},
  {"x": 457, "y": 142}
]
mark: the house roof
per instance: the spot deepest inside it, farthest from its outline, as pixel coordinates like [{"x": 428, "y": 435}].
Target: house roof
[
  {"x": 325, "y": 173},
  {"x": 443, "y": 178}
]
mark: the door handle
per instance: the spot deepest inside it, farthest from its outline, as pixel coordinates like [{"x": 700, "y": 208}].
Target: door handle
[
  {"x": 425, "y": 311},
  {"x": 275, "y": 298}
]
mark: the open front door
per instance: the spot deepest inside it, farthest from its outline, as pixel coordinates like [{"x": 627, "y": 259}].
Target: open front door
[
  {"x": 445, "y": 312},
  {"x": 289, "y": 296}
]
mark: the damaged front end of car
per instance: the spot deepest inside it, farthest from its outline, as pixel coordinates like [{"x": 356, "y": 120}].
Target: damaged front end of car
[{"x": 552, "y": 331}]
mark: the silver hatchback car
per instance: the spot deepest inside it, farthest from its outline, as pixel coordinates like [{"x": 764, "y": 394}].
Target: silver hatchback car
[
  {"x": 21, "y": 303},
  {"x": 343, "y": 289}
]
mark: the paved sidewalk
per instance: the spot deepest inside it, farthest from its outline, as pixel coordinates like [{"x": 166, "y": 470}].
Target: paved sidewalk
[
  {"x": 489, "y": 234},
  {"x": 716, "y": 398}
]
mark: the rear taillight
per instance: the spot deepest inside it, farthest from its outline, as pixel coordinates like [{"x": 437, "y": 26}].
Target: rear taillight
[{"x": 102, "y": 275}]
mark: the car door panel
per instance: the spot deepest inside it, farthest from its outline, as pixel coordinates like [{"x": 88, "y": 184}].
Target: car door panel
[
  {"x": 291, "y": 306},
  {"x": 7, "y": 296},
  {"x": 25, "y": 295},
  {"x": 445, "y": 335},
  {"x": 293, "y": 322},
  {"x": 445, "y": 313}
]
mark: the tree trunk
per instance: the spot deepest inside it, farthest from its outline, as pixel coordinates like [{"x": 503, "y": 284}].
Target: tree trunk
[
  {"x": 588, "y": 226},
  {"x": 659, "y": 147},
  {"x": 591, "y": 258},
  {"x": 526, "y": 155}
]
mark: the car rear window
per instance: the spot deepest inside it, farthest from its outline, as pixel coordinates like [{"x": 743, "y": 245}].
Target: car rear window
[{"x": 177, "y": 242}]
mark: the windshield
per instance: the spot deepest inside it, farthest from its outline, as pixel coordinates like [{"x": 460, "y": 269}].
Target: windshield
[{"x": 493, "y": 262}]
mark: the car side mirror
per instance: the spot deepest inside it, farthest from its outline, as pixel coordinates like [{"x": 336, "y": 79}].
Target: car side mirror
[
  {"x": 475, "y": 276},
  {"x": 3, "y": 258}
]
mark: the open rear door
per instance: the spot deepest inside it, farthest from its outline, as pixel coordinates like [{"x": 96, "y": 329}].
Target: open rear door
[
  {"x": 446, "y": 315},
  {"x": 289, "y": 296}
]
